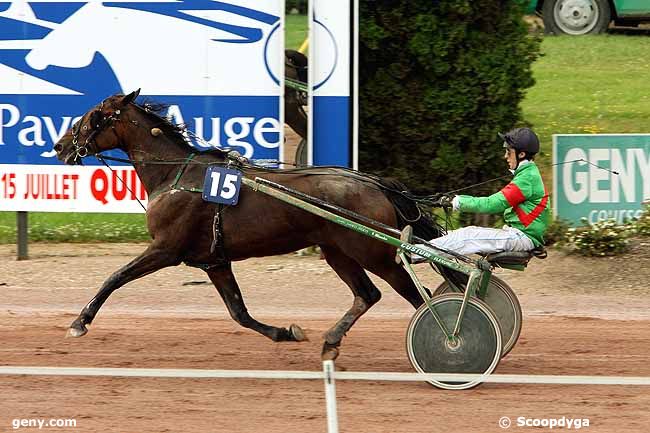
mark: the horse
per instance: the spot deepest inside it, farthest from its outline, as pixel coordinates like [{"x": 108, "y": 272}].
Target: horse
[
  {"x": 295, "y": 69},
  {"x": 182, "y": 224}
]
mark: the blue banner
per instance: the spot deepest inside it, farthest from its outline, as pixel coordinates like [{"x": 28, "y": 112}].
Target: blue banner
[{"x": 212, "y": 62}]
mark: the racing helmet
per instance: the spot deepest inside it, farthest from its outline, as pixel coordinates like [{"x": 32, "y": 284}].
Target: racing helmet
[{"x": 522, "y": 140}]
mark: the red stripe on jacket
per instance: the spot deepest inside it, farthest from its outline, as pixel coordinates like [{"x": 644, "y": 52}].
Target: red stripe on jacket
[
  {"x": 513, "y": 194},
  {"x": 527, "y": 218}
]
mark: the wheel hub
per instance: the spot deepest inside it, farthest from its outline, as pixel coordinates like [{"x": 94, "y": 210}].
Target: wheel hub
[
  {"x": 576, "y": 17},
  {"x": 454, "y": 343}
]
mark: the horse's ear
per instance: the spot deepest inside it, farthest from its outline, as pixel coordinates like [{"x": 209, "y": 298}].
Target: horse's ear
[{"x": 129, "y": 98}]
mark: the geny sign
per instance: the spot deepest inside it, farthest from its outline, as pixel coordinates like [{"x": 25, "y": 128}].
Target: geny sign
[{"x": 582, "y": 190}]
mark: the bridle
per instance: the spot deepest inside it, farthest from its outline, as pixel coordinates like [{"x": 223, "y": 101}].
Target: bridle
[{"x": 82, "y": 150}]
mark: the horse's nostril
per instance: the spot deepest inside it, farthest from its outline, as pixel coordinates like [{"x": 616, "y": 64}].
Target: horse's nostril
[{"x": 58, "y": 147}]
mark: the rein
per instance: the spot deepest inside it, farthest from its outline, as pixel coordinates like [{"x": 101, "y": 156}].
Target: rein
[
  {"x": 84, "y": 150},
  {"x": 89, "y": 148},
  {"x": 433, "y": 199},
  {"x": 545, "y": 165}
]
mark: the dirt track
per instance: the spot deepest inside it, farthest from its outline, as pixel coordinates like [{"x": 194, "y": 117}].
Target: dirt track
[{"x": 581, "y": 317}]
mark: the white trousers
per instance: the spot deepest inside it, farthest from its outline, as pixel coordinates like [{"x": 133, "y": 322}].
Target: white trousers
[{"x": 485, "y": 240}]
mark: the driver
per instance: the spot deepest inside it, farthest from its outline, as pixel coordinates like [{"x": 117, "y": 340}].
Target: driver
[{"x": 523, "y": 203}]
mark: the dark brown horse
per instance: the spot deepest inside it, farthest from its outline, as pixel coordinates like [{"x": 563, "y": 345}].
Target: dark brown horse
[
  {"x": 181, "y": 223},
  {"x": 295, "y": 69}
]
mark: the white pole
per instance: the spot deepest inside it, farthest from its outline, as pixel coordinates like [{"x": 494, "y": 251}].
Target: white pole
[
  {"x": 355, "y": 85},
  {"x": 282, "y": 30},
  {"x": 311, "y": 66},
  {"x": 330, "y": 397}
]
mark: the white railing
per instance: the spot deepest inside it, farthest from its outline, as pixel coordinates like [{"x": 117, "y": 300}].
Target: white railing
[{"x": 328, "y": 375}]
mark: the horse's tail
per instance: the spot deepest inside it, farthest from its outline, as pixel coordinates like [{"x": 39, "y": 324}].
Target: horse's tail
[
  {"x": 423, "y": 223},
  {"x": 408, "y": 212}
]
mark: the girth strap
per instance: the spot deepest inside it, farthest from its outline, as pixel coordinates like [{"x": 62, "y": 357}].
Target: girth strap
[{"x": 217, "y": 247}]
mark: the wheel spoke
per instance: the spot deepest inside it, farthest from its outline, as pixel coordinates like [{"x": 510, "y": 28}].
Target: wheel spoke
[{"x": 505, "y": 305}]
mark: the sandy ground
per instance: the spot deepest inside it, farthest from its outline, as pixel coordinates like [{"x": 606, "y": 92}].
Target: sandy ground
[{"x": 581, "y": 316}]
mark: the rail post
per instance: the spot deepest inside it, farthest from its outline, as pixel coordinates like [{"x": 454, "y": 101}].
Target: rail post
[
  {"x": 330, "y": 397},
  {"x": 21, "y": 235}
]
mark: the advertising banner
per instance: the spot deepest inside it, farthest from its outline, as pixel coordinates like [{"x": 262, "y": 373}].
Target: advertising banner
[
  {"x": 583, "y": 190},
  {"x": 333, "y": 77},
  {"x": 217, "y": 66},
  {"x": 54, "y": 188}
]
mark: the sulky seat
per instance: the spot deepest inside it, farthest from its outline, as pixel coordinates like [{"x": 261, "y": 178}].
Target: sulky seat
[{"x": 517, "y": 258}]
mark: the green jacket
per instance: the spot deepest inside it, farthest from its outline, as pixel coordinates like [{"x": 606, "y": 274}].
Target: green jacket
[{"x": 524, "y": 203}]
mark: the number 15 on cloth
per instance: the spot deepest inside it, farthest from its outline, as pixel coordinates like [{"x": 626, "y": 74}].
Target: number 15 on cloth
[{"x": 222, "y": 185}]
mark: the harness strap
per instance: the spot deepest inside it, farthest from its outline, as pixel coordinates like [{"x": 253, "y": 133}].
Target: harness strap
[
  {"x": 179, "y": 175},
  {"x": 217, "y": 247},
  {"x": 189, "y": 158}
]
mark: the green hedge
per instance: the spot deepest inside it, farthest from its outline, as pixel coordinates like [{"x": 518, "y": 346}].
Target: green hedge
[{"x": 438, "y": 80}]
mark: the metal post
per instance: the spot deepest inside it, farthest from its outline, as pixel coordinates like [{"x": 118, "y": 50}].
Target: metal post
[
  {"x": 330, "y": 397},
  {"x": 311, "y": 77},
  {"x": 21, "y": 235}
]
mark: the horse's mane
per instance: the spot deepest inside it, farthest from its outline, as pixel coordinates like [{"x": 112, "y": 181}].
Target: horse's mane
[{"x": 177, "y": 132}]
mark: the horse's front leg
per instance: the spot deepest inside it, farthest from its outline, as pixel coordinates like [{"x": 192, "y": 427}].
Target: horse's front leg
[
  {"x": 152, "y": 259},
  {"x": 224, "y": 280}
]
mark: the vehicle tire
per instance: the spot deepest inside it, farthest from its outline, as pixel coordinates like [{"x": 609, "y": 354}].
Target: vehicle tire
[
  {"x": 477, "y": 349},
  {"x": 576, "y": 17},
  {"x": 301, "y": 154}
]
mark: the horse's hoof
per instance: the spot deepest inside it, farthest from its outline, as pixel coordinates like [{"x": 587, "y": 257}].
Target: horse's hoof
[
  {"x": 76, "y": 332},
  {"x": 330, "y": 352},
  {"x": 297, "y": 333}
]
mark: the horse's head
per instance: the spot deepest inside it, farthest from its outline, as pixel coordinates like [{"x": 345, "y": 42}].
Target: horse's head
[
  {"x": 295, "y": 65},
  {"x": 95, "y": 131}
]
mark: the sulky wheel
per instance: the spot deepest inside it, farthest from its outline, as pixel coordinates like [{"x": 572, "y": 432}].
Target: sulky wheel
[
  {"x": 504, "y": 304},
  {"x": 477, "y": 349},
  {"x": 301, "y": 154}
]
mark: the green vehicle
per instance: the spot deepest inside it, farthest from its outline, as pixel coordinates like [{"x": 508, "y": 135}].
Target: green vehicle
[{"x": 581, "y": 17}]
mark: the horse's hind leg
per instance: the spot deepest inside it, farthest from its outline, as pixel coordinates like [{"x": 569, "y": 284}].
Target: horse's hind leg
[
  {"x": 399, "y": 280},
  {"x": 224, "y": 280},
  {"x": 366, "y": 294}
]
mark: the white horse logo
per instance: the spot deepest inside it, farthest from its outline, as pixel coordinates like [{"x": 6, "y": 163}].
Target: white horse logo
[{"x": 186, "y": 53}]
